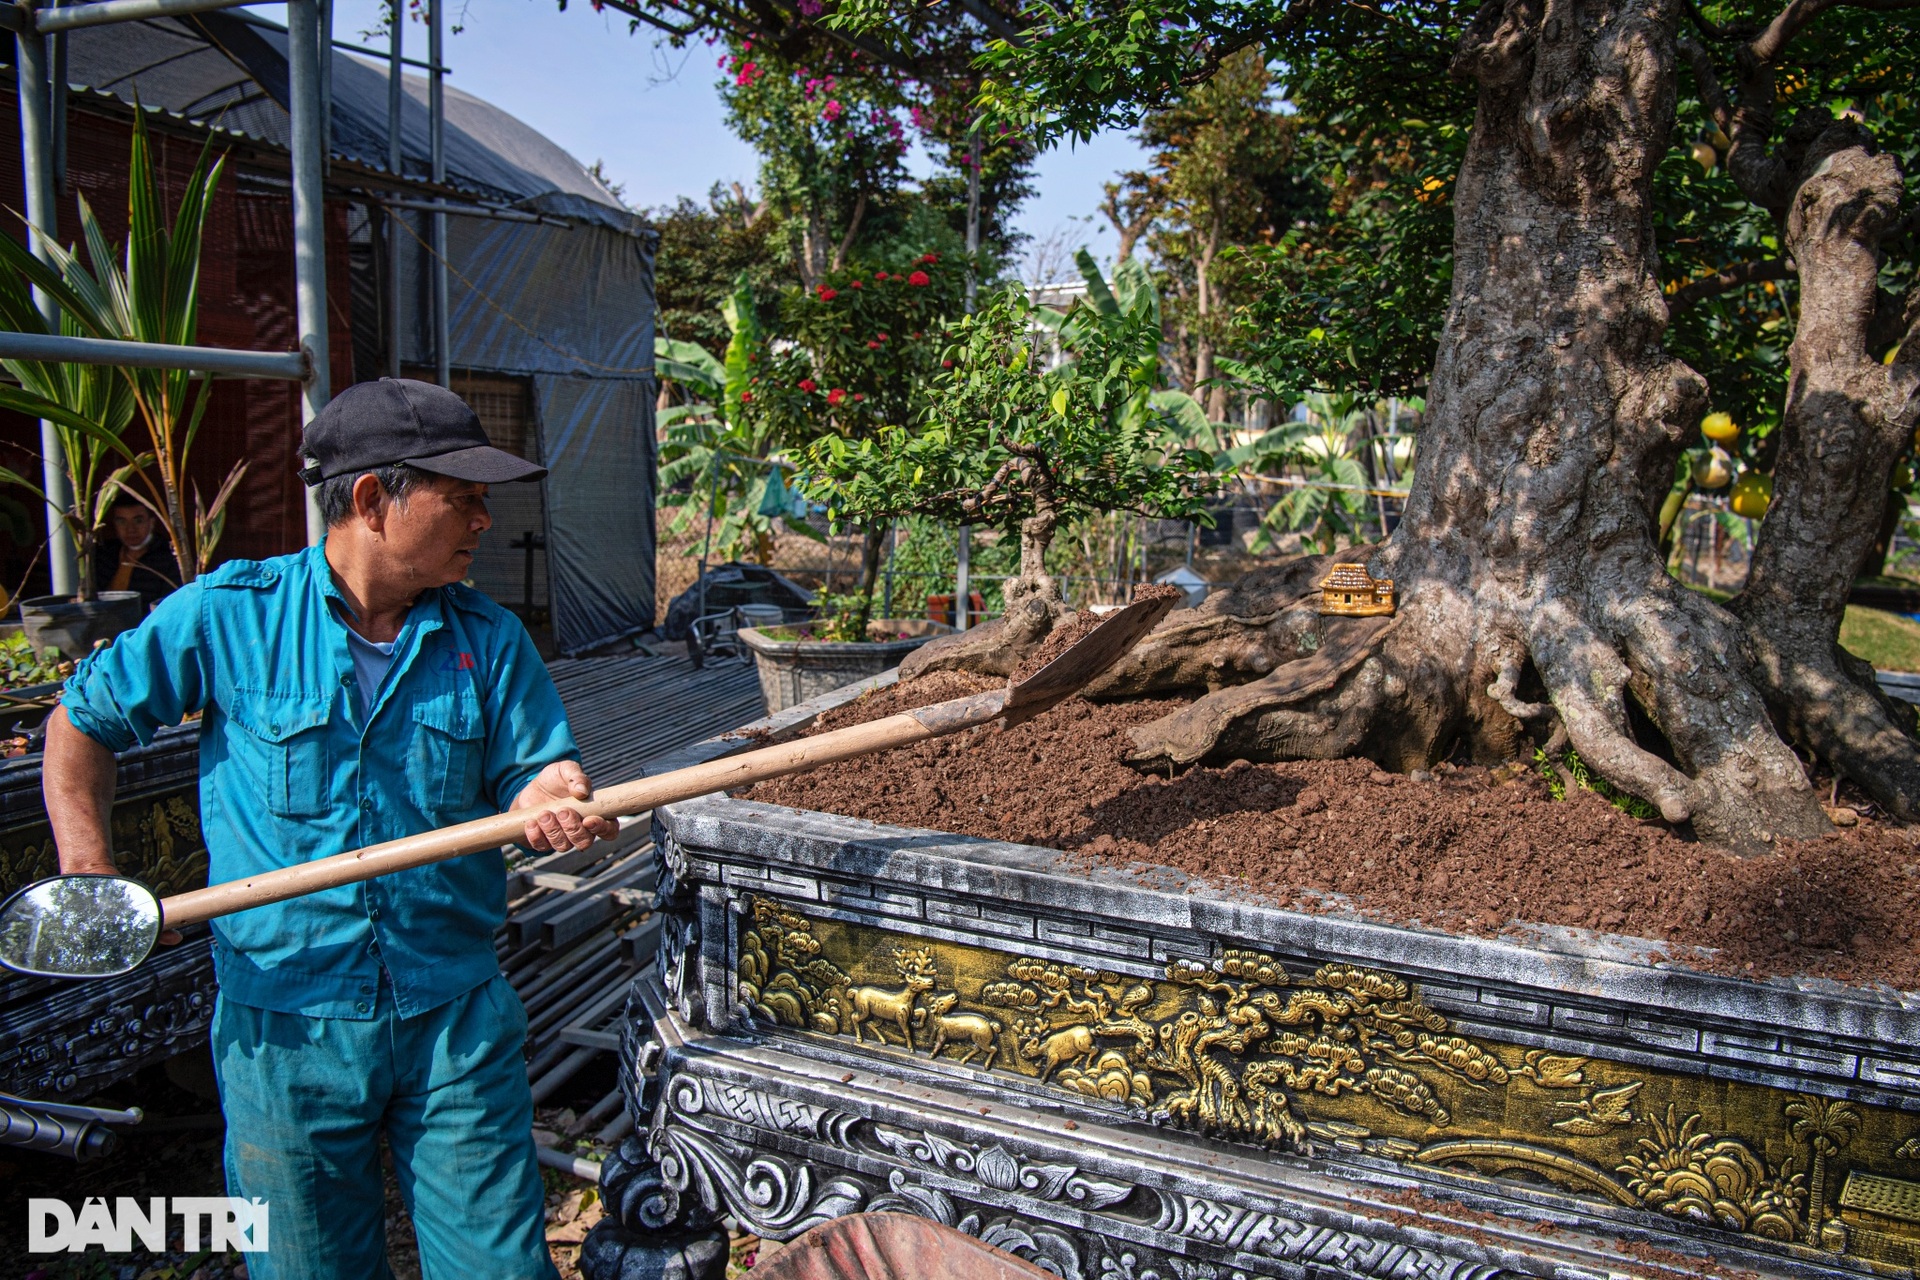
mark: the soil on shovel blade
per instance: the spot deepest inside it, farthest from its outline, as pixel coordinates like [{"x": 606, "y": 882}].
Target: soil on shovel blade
[{"x": 1468, "y": 849}]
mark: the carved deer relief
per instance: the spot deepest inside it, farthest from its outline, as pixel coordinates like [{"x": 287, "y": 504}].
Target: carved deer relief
[
  {"x": 879, "y": 1005},
  {"x": 977, "y": 1033}
]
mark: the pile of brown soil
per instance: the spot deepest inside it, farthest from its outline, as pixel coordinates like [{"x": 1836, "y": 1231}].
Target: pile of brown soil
[{"x": 1469, "y": 850}]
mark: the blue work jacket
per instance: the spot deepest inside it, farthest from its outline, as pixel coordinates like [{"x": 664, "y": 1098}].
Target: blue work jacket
[{"x": 292, "y": 768}]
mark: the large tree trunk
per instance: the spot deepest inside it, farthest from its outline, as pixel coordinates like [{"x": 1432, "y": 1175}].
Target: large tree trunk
[
  {"x": 1533, "y": 599},
  {"x": 1847, "y": 422}
]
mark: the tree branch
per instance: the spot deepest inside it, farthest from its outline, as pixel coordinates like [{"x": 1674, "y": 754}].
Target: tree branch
[
  {"x": 1788, "y": 23},
  {"x": 853, "y": 229},
  {"x": 1712, "y": 95},
  {"x": 1734, "y": 277}
]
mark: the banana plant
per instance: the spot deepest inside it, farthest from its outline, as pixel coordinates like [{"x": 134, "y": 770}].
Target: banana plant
[
  {"x": 1328, "y": 500},
  {"x": 718, "y": 463},
  {"x": 147, "y": 291},
  {"x": 1131, "y": 301}
]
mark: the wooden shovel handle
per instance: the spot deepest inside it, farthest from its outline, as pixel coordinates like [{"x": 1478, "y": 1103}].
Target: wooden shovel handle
[{"x": 633, "y": 797}]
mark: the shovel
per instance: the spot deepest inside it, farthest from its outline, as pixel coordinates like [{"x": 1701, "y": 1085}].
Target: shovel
[{"x": 97, "y": 926}]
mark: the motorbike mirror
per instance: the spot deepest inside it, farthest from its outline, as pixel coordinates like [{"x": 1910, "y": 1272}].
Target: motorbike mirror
[{"x": 85, "y": 926}]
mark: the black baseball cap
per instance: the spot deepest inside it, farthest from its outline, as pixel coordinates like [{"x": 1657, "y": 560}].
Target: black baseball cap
[{"x": 376, "y": 424}]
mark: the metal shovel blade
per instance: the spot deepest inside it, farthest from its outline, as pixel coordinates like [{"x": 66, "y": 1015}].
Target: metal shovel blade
[
  {"x": 1088, "y": 657},
  {"x": 79, "y": 926}
]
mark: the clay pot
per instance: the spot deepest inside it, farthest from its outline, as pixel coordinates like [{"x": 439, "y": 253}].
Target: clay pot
[{"x": 75, "y": 626}]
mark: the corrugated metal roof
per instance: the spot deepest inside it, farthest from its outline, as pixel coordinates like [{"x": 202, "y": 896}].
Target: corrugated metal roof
[{"x": 229, "y": 70}]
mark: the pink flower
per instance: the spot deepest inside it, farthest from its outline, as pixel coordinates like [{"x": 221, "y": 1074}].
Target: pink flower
[
  {"x": 859, "y": 396},
  {"x": 810, "y": 8},
  {"x": 873, "y": 346},
  {"x": 835, "y": 396},
  {"x": 882, "y": 337},
  {"x": 747, "y": 72},
  {"x": 808, "y": 384},
  {"x": 919, "y": 279},
  {"x": 827, "y": 294},
  {"x": 831, "y": 111}
]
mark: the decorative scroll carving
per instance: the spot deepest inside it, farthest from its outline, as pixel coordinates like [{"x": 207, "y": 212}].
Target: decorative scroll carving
[
  {"x": 1002, "y": 1170},
  {"x": 1269, "y": 1235}
]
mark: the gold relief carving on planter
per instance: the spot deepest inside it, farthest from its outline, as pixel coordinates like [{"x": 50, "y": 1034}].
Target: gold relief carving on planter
[
  {"x": 1348, "y": 1059},
  {"x": 156, "y": 839}
]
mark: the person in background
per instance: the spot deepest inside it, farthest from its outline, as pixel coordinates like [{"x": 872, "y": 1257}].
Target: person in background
[{"x": 138, "y": 557}]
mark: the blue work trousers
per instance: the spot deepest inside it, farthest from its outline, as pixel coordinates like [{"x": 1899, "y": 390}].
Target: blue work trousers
[{"x": 306, "y": 1098}]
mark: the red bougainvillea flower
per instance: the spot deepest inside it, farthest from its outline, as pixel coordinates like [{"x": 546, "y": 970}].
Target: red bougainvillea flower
[
  {"x": 808, "y": 384},
  {"x": 854, "y": 283},
  {"x": 881, "y": 337},
  {"x": 919, "y": 279},
  {"x": 831, "y": 111},
  {"x": 859, "y": 395},
  {"x": 746, "y": 397},
  {"x": 836, "y": 395},
  {"x": 747, "y": 72},
  {"x": 827, "y": 294},
  {"x": 917, "y": 336},
  {"x": 879, "y": 275},
  {"x": 946, "y": 364},
  {"x": 872, "y": 345},
  {"x": 929, "y": 258}
]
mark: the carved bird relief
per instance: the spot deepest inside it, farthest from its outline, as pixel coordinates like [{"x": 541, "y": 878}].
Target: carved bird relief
[
  {"x": 1552, "y": 1071},
  {"x": 1599, "y": 1111}
]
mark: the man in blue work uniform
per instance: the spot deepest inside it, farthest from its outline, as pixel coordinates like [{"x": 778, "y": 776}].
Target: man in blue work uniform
[{"x": 356, "y": 692}]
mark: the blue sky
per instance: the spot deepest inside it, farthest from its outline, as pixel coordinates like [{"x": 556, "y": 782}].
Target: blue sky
[{"x": 651, "y": 114}]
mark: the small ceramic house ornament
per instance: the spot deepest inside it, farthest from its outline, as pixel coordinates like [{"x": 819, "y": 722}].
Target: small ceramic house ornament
[{"x": 1354, "y": 593}]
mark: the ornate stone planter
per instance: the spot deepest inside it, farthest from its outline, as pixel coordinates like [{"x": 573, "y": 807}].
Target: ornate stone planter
[
  {"x": 793, "y": 671},
  {"x": 1125, "y": 1076}
]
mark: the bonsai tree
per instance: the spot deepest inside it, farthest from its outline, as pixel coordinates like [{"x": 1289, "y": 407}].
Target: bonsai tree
[
  {"x": 148, "y": 292},
  {"x": 1008, "y": 443}
]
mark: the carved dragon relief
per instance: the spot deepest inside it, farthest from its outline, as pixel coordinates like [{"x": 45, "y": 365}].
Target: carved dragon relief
[{"x": 1344, "y": 1059}]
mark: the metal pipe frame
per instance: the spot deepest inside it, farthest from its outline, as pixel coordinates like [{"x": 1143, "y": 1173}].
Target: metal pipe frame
[
  {"x": 305, "y": 87},
  {"x": 437, "y": 135},
  {"x": 396, "y": 100},
  {"x": 472, "y": 211},
  {"x": 286, "y": 366},
  {"x": 43, "y": 218},
  {"x": 104, "y": 12},
  {"x": 347, "y": 46}
]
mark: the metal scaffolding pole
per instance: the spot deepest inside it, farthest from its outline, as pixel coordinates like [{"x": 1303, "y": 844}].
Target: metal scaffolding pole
[
  {"x": 36, "y": 147},
  {"x": 396, "y": 316},
  {"x": 963, "y": 584},
  {"x": 304, "y": 51},
  {"x": 437, "y": 133}
]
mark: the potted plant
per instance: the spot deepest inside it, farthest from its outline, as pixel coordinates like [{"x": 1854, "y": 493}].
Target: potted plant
[
  {"x": 148, "y": 293},
  {"x": 802, "y": 660},
  {"x": 90, "y": 407}
]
